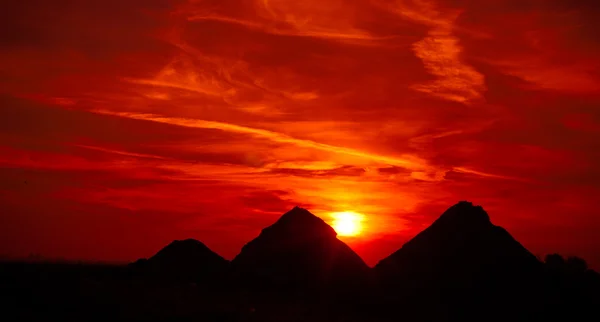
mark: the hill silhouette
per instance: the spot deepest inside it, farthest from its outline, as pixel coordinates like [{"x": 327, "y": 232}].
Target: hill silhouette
[{"x": 463, "y": 266}]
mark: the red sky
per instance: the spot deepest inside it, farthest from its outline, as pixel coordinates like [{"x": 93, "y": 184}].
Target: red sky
[{"x": 127, "y": 124}]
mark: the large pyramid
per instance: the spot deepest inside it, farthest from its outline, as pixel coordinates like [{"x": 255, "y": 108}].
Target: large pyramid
[
  {"x": 300, "y": 251},
  {"x": 462, "y": 265}
]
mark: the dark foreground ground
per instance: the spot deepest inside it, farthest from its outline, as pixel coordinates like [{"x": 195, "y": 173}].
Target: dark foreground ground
[
  {"x": 78, "y": 292},
  {"x": 84, "y": 292}
]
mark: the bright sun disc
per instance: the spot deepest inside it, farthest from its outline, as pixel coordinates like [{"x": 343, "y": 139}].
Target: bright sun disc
[{"x": 347, "y": 223}]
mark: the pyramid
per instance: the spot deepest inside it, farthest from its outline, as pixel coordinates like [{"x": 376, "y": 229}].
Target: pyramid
[
  {"x": 300, "y": 251},
  {"x": 462, "y": 265},
  {"x": 185, "y": 261}
]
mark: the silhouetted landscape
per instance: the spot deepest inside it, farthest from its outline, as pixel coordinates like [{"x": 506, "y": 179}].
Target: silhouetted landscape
[{"x": 461, "y": 268}]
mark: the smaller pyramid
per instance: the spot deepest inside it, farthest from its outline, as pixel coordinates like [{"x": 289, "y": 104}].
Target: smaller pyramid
[{"x": 184, "y": 261}]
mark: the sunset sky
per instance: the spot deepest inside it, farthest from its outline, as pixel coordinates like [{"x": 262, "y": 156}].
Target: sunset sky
[{"x": 127, "y": 124}]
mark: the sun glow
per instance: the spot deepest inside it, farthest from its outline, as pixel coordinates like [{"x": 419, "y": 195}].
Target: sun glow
[{"x": 347, "y": 223}]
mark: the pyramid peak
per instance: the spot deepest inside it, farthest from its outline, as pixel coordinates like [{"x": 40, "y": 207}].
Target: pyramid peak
[
  {"x": 300, "y": 249},
  {"x": 297, "y": 213},
  {"x": 302, "y": 221},
  {"x": 185, "y": 243},
  {"x": 185, "y": 250},
  {"x": 295, "y": 227},
  {"x": 189, "y": 241},
  {"x": 465, "y": 213}
]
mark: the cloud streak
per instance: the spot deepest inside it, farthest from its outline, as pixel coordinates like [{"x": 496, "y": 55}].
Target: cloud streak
[
  {"x": 334, "y": 20},
  {"x": 406, "y": 162}
]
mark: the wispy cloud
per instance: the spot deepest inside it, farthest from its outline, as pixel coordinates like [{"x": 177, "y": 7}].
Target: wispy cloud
[
  {"x": 332, "y": 20},
  {"x": 409, "y": 162},
  {"x": 294, "y": 31},
  {"x": 120, "y": 152},
  {"x": 440, "y": 52}
]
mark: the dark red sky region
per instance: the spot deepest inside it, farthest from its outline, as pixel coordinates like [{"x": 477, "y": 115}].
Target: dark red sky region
[{"x": 127, "y": 124}]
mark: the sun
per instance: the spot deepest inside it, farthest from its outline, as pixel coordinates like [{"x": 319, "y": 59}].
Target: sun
[{"x": 347, "y": 223}]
